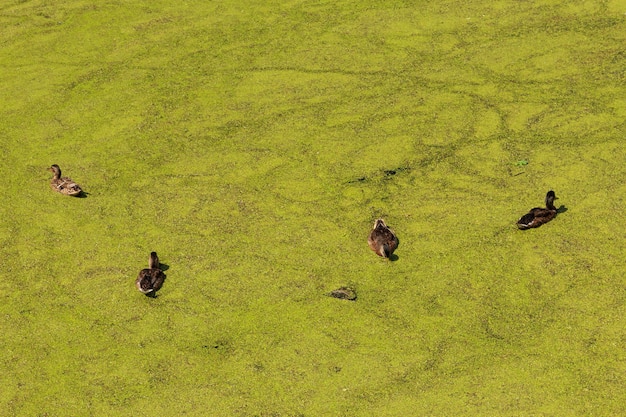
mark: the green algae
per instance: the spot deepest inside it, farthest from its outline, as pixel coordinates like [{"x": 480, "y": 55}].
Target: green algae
[{"x": 252, "y": 146}]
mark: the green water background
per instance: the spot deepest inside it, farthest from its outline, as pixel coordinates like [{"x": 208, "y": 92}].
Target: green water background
[{"x": 252, "y": 144}]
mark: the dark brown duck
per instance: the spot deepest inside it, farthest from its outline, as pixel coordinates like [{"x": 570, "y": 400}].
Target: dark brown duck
[
  {"x": 538, "y": 216},
  {"x": 150, "y": 280},
  {"x": 382, "y": 239}
]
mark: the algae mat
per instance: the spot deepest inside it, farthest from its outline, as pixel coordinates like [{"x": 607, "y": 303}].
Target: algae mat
[{"x": 252, "y": 144}]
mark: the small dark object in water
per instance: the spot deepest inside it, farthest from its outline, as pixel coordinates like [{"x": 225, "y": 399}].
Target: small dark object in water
[
  {"x": 150, "y": 280},
  {"x": 538, "y": 216},
  {"x": 382, "y": 239},
  {"x": 360, "y": 179},
  {"x": 344, "y": 293}
]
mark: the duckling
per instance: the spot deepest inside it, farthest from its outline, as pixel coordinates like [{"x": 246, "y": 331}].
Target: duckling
[
  {"x": 150, "y": 280},
  {"x": 538, "y": 216},
  {"x": 382, "y": 240},
  {"x": 63, "y": 185}
]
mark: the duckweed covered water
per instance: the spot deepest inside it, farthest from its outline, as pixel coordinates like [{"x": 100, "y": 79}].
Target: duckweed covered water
[{"x": 252, "y": 146}]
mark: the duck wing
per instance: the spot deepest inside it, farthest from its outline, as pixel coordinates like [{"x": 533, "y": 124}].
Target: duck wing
[
  {"x": 150, "y": 279},
  {"x": 535, "y": 218},
  {"x": 526, "y": 220},
  {"x": 157, "y": 278},
  {"x": 67, "y": 186},
  {"x": 391, "y": 241},
  {"x": 383, "y": 237}
]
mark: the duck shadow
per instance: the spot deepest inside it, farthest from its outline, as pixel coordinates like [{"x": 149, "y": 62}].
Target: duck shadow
[
  {"x": 163, "y": 267},
  {"x": 561, "y": 209},
  {"x": 82, "y": 194},
  {"x": 394, "y": 257}
]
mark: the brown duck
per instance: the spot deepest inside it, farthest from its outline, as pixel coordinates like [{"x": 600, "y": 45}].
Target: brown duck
[
  {"x": 344, "y": 293},
  {"x": 382, "y": 239},
  {"x": 538, "y": 216},
  {"x": 150, "y": 280},
  {"x": 63, "y": 185}
]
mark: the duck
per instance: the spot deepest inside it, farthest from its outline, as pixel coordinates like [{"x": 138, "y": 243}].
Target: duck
[
  {"x": 382, "y": 239},
  {"x": 538, "y": 215},
  {"x": 63, "y": 185},
  {"x": 150, "y": 280},
  {"x": 344, "y": 293}
]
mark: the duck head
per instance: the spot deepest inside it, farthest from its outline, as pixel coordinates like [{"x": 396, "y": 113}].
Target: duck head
[
  {"x": 56, "y": 170},
  {"x": 153, "y": 262},
  {"x": 550, "y": 197},
  {"x": 379, "y": 223}
]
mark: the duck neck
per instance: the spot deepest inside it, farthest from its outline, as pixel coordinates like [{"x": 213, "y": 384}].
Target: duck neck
[
  {"x": 154, "y": 261},
  {"x": 550, "y": 204}
]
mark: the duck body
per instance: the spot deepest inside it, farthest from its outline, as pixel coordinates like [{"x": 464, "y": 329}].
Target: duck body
[
  {"x": 382, "y": 240},
  {"x": 63, "y": 185},
  {"x": 151, "y": 279},
  {"x": 538, "y": 215},
  {"x": 344, "y": 293}
]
